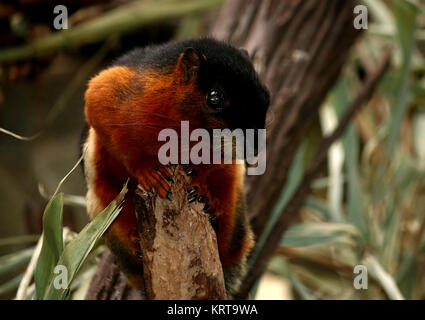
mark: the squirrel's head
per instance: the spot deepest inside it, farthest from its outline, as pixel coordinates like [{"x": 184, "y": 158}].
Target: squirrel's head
[
  {"x": 210, "y": 83},
  {"x": 231, "y": 94}
]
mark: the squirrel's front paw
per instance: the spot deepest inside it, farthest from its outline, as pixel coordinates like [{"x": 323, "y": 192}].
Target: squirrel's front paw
[
  {"x": 194, "y": 193},
  {"x": 198, "y": 191},
  {"x": 156, "y": 179}
]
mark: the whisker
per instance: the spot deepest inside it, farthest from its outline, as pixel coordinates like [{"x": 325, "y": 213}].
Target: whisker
[{"x": 273, "y": 117}]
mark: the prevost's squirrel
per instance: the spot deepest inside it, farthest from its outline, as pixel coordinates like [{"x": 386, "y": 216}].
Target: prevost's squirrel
[{"x": 209, "y": 83}]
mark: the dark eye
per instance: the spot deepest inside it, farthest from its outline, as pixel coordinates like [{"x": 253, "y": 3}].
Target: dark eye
[{"x": 215, "y": 98}]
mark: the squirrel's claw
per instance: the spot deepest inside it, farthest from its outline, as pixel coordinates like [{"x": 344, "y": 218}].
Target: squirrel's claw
[{"x": 155, "y": 181}]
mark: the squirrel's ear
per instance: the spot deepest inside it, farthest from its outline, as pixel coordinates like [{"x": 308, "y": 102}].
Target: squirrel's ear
[{"x": 190, "y": 63}]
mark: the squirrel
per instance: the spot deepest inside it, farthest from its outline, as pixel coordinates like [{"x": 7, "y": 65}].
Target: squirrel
[{"x": 207, "y": 82}]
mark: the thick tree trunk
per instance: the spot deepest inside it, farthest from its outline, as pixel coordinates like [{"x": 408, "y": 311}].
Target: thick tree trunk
[{"x": 299, "y": 48}]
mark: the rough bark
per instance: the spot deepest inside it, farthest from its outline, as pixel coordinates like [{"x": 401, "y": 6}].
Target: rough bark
[
  {"x": 109, "y": 283},
  {"x": 272, "y": 241},
  {"x": 179, "y": 246},
  {"x": 299, "y": 48}
]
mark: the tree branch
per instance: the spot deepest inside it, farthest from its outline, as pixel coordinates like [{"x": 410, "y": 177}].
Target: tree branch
[
  {"x": 109, "y": 283},
  {"x": 179, "y": 246},
  {"x": 121, "y": 20},
  {"x": 299, "y": 48}
]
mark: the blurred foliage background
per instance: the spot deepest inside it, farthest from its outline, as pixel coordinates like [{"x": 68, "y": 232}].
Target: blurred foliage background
[{"x": 367, "y": 207}]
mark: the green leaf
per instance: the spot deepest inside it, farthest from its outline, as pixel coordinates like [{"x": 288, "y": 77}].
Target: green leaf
[
  {"x": 418, "y": 134},
  {"x": 15, "y": 260},
  {"x": 320, "y": 206},
  {"x": 18, "y": 240},
  {"x": 78, "y": 249},
  {"x": 405, "y": 17},
  {"x": 52, "y": 246},
  {"x": 380, "y": 12},
  {"x": 329, "y": 121},
  {"x": 383, "y": 278},
  {"x": 321, "y": 234},
  {"x": 294, "y": 178},
  {"x": 407, "y": 274},
  {"x": 356, "y": 210},
  {"x": 280, "y": 266},
  {"x": 11, "y": 285}
]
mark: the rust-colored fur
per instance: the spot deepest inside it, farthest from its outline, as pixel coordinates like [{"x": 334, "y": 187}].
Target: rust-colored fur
[{"x": 125, "y": 109}]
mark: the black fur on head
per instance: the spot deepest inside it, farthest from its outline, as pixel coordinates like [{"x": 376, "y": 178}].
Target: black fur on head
[{"x": 223, "y": 69}]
